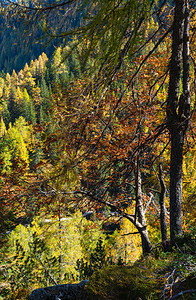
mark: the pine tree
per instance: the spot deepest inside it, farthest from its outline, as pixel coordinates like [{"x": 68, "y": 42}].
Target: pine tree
[{"x": 28, "y": 108}]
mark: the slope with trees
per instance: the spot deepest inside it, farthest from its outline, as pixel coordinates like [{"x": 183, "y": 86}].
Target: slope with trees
[{"x": 107, "y": 138}]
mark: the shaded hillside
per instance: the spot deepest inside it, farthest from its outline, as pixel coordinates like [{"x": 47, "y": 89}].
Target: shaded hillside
[
  {"x": 17, "y": 48},
  {"x": 20, "y": 43}
]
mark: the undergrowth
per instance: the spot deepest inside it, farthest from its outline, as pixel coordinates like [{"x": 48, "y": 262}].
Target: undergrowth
[{"x": 160, "y": 275}]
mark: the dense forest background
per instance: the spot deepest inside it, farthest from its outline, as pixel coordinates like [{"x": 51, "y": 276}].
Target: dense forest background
[{"x": 85, "y": 169}]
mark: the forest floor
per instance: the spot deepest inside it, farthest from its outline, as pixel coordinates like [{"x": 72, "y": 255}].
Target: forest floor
[{"x": 160, "y": 275}]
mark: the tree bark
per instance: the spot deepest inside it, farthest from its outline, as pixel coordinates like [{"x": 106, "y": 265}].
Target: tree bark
[
  {"x": 146, "y": 244},
  {"x": 139, "y": 211},
  {"x": 178, "y": 111},
  {"x": 163, "y": 219},
  {"x": 177, "y": 142}
]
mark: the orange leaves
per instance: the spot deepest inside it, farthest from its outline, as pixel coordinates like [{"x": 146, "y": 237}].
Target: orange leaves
[
  {"x": 38, "y": 165},
  {"x": 101, "y": 133},
  {"x": 38, "y": 128}
]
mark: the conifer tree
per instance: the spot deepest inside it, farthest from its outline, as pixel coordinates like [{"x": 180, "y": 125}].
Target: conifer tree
[{"x": 28, "y": 108}]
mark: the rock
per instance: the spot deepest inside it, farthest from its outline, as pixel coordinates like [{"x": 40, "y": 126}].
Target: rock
[{"x": 61, "y": 292}]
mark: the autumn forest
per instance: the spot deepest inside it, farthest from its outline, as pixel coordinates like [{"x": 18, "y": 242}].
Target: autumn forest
[{"x": 97, "y": 148}]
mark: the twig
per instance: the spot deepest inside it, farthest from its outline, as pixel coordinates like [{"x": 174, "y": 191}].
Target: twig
[
  {"x": 168, "y": 285},
  {"x": 137, "y": 232},
  {"x": 182, "y": 293},
  {"x": 149, "y": 201},
  {"x": 48, "y": 273}
]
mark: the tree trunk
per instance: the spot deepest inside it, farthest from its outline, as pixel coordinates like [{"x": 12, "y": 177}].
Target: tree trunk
[
  {"x": 139, "y": 211},
  {"x": 178, "y": 111},
  {"x": 146, "y": 244},
  {"x": 177, "y": 142},
  {"x": 162, "y": 207}
]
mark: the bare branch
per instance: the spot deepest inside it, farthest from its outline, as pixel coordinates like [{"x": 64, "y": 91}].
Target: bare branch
[{"x": 183, "y": 293}]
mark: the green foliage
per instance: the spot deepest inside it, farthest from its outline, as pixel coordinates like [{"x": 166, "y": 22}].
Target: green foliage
[
  {"x": 105, "y": 27},
  {"x": 28, "y": 108},
  {"x": 98, "y": 259},
  {"x": 46, "y": 252}
]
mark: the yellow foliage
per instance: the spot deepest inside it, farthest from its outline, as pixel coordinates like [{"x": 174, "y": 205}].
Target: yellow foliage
[
  {"x": 20, "y": 294},
  {"x": 2, "y": 128},
  {"x": 127, "y": 244},
  {"x": 53, "y": 244},
  {"x": 189, "y": 188}
]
